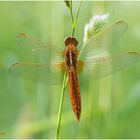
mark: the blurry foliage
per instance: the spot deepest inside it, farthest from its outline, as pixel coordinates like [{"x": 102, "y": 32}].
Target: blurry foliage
[{"x": 110, "y": 107}]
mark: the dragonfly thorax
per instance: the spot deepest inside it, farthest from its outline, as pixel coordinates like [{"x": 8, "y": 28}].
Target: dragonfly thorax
[{"x": 71, "y": 40}]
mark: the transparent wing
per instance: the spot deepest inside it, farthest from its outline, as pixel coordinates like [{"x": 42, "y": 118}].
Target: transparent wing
[
  {"x": 38, "y": 48},
  {"x": 51, "y": 73},
  {"x": 103, "y": 40},
  {"x": 101, "y": 67}
]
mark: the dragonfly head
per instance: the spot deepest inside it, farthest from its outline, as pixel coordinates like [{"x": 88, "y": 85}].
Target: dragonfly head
[{"x": 71, "y": 40}]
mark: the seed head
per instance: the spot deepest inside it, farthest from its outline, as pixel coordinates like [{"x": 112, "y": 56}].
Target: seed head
[
  {"x": 68, "y": 3},
  {"x": 95, "y": 25}
]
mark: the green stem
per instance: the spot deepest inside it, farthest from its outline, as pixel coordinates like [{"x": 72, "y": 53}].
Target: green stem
[
  {"x": 77, "y": 13},
  {"x": 74, "y": 23},
  {"x": 61, "y": 105},
  {"x": 72, "y": 18},
  {"x": 76, "y": 18}
]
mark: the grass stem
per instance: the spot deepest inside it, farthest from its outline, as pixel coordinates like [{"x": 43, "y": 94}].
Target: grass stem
[
  {"x": 74, "y": 23},
  {"x": 61, "y": 105},
  {"x": 76, "y": 18}
]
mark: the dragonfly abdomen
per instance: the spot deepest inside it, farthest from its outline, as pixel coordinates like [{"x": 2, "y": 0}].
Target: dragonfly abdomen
[{"x": 74, "y": 92}]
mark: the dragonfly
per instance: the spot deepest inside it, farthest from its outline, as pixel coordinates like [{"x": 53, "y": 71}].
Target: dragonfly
[{"x": 74, "y": 61}]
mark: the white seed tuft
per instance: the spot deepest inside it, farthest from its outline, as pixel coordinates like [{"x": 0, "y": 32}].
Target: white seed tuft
[{"x": 95, "y": 25}]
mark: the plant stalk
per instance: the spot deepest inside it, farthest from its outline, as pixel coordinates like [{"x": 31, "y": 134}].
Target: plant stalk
[
  {"x": 76, "y": 18},
  {"x": 74, "y": 23},
  {"x": 61, "y": 105}
]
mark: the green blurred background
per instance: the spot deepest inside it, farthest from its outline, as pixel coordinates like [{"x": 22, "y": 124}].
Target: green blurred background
[{"x": 110, "y": 106}]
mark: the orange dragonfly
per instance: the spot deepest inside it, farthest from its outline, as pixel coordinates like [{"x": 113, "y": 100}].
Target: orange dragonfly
[{"x": 74, "y": 61}]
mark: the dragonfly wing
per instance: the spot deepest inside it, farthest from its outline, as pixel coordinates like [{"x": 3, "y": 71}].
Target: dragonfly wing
[
  {"x": 101, "y": 67},
  {"x": 38, "y": 48},
  {"x": 51, "y": 74},
  {"x": 103, "y": 40}
]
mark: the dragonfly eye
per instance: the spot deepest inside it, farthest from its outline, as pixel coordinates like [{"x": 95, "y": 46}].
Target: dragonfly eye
[{"x": 71, "y": 40}]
